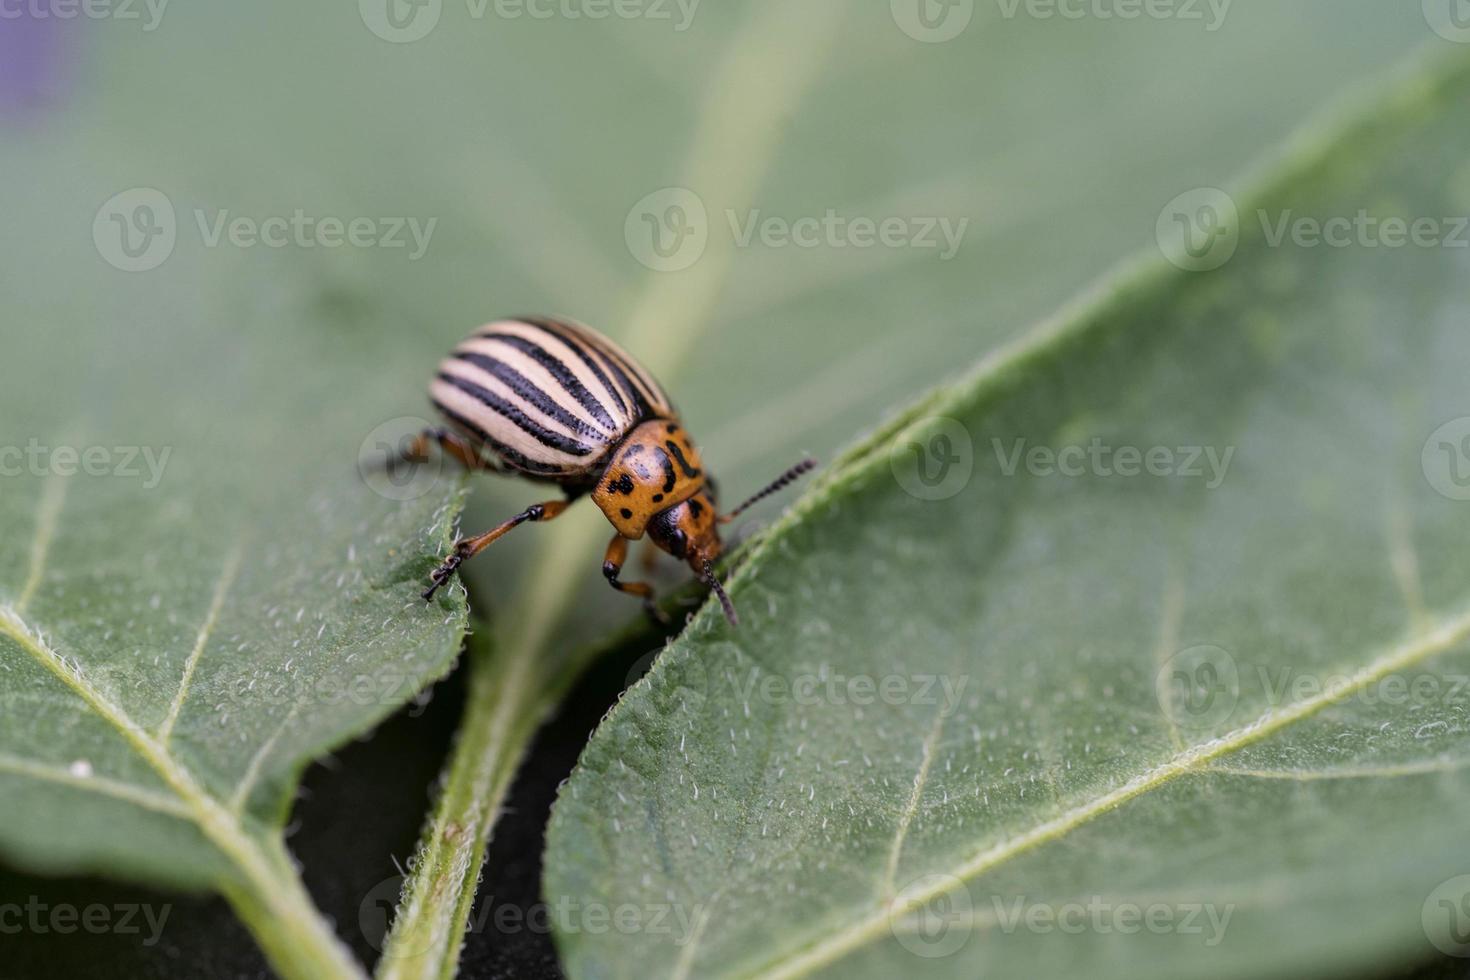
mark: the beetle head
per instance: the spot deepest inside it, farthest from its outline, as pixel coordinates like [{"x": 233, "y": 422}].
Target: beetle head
[{"x": 689, "y": 531}]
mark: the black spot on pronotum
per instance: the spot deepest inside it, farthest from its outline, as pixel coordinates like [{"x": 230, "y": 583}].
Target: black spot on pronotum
[
  {"x": 678, "y": 454},
  {"x": 672, "y": 427},
  {"x": 626, "y": 513},
  {"x": 669, "y": 477},
  {"x": 658, "y": 498},
  {"x": 623, "y": 484}
]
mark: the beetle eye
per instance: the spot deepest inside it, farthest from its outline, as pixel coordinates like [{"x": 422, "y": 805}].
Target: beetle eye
[{"x": 678, "y": 544}]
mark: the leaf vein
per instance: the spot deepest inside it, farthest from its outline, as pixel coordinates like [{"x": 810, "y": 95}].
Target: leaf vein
[
  {"x": 1191, "y": 761},
  {"x": 211, "y": 619}
]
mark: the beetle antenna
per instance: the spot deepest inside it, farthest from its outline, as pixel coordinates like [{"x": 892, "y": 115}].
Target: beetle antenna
[
  {"x": 778, "y": 483},
  {"x": 725, "y": 603}
]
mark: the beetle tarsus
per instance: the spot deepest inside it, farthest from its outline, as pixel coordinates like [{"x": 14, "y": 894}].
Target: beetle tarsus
[{"x": 444, "y": 573}]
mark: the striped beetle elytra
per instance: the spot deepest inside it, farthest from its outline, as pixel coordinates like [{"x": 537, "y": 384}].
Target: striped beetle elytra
[{"x": 555, "y": 401}]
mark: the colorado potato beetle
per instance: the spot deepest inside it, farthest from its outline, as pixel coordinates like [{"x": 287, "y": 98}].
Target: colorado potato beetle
[{"x": 557, "y": 402}]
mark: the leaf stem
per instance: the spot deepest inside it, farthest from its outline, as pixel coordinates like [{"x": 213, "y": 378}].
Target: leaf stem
[
  {"x": 276, "y": 908},
  {"x": 438, "y": 895},
  {"x": 747, "y": 100}
]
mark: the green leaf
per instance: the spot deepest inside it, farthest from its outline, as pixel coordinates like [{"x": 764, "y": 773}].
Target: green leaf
[
  {"x": 959, "y": 709},
  {"x": 200, "y": 593}
]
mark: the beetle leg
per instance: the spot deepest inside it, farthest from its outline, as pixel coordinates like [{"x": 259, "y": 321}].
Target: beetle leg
[
  {"x": 467, "y": 548},
  {"x": 418, "y": 450},
  {"x": 612, "y": 566}
]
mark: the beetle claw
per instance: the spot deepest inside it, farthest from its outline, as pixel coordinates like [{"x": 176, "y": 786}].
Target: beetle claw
[{"x": 443, "y": 574}]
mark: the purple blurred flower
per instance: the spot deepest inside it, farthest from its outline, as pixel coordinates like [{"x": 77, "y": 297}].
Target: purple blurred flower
[{"x": 34, "y": 57}]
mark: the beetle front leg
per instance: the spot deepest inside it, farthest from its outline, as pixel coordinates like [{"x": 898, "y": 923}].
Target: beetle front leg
[
  {"x": 612, "y": 567},
  {"x": 467, "y": 548}
]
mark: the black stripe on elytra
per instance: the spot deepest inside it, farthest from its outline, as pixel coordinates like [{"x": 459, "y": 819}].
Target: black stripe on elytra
[
  {"x": 668, "y": 465},
  {"x": 619, "y": 369},
  {"x": 584, "y": 350},
  {"x": 527, "y": 389},
  {"x": 498, "y": 405},
  {"x": 678, "y": 454},
  {"x": 560, "y": 372},
  {"x": 516, "y": 459}
]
